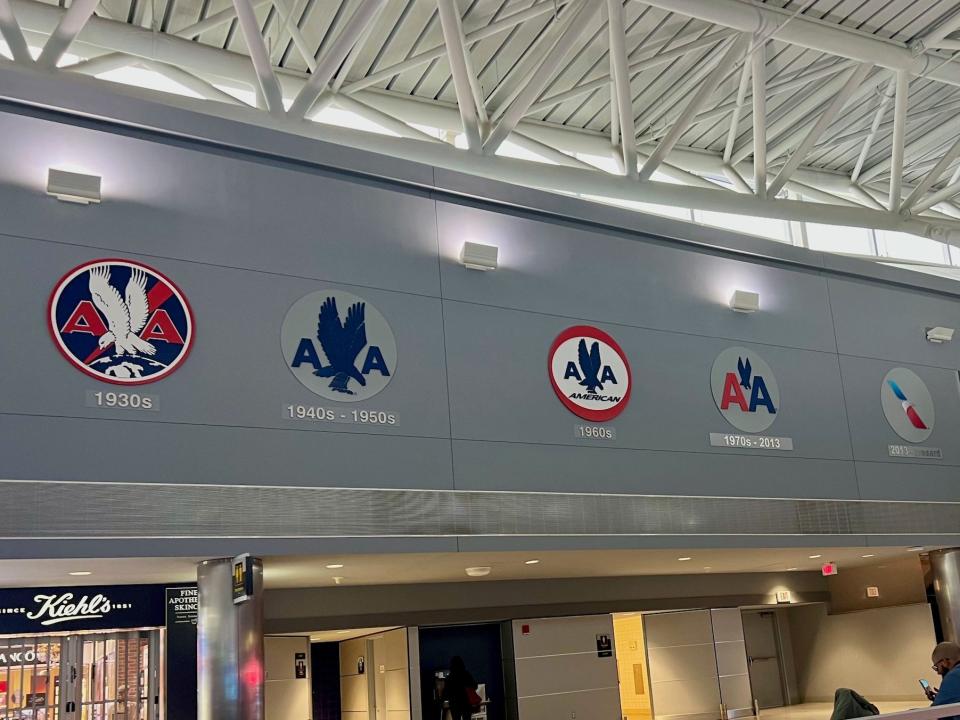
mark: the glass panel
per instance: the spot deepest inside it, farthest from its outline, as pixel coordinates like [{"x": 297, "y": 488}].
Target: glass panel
[
  {"x": 911, "y": 247},
  {"x": 764, "y": 227},
  {"x": 836, "y": 238}
]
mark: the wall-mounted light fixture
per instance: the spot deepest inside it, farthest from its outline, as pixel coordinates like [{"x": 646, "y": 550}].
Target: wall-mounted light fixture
[
  {"x": 940, "y": 335},
  {"x": 73, "y": 187},
  {"x": 479, "y": 257},
  {"x": 744, "y": 301}
]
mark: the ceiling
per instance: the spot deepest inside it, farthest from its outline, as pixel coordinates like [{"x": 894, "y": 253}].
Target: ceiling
[
  {"x": 539, "y": 76},
  {"x": 409, "y": 568}
]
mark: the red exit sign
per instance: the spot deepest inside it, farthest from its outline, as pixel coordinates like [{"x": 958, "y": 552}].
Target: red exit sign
[{"x": 829, "y": 569}]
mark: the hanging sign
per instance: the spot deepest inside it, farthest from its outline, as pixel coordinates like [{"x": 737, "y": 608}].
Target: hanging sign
[{"x": 242, "y": 578}]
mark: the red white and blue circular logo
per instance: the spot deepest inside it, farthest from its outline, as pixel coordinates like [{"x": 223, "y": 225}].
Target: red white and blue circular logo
[
  {"x": 590, "y": 373},
  {"x": 120, "y": 321}
]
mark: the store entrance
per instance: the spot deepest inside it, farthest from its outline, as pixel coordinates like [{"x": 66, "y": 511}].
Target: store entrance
[{"x": 80, "y": 677}]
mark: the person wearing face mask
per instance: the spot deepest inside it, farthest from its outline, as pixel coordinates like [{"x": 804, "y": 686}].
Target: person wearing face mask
[{"x": 946, "y": 663}]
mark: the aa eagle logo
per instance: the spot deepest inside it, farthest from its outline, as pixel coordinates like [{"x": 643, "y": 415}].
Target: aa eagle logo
[
  {"x": 339, "y": 346},
  {"x": 120, "y": 321},
  {"x": 589, "y": 373}
]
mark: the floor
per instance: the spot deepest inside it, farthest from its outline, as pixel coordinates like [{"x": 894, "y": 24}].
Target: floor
[{"x": 823, "y": 711}]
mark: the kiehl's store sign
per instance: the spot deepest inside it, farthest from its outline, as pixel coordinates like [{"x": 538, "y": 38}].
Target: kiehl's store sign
[{"x": 66, "y": 609}]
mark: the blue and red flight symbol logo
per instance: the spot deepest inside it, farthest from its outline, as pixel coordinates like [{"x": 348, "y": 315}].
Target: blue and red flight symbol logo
[
  {"x": 120, "y": 321},
  {"x": 907, "y": 405},
  {"x": 745, "y": 390},
  {"x": 339, "y": 346},
  {"x": 590, "y": 374}
]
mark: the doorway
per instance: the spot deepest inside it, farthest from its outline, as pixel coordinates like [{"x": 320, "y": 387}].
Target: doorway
[
  {"x": 80, "y": 677},
  {"x": 762, "y": 635}
]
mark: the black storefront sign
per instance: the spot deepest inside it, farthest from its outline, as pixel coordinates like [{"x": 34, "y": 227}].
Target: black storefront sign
[
  {"x": 67, "y": 609},
  {"x": 182, "y": 611}
]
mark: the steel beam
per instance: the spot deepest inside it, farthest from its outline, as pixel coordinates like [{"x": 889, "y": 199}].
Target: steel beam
[
  {"x": 10, "y": 29},
  {"x": 948, "y": 193},
  {"x": 649, "y": 59},
  {"x": 66, "y": 32},
  {"x": 384, "y": 120},
  {"x": 934, "y": 38},
  {"x": 102, "y": 64},
  {"x": 365, "y": 13},
  {"x": 621, "y": 85},
  {"x": 450, "y": 23},
  {"x": 814, "y": 34},
  {"x": 888, "y": 95},
  {"x": 293, "y": 30},
  {"x": 190, "y": 81},
  {"x": 795, "y": 113},
  {"x": 541, "y": 76},
  {"x": 434, "y": 53},
  {"x": 854, "y": 81},
  {"x": 216, "y": 20},
  {"x": 266, "y": 78},
  {"x": 899, "y": 132},
  {"x": 759, "y": 62},
  {"x": 699, "y": 99},
  {"x": 931, "y": 177}
]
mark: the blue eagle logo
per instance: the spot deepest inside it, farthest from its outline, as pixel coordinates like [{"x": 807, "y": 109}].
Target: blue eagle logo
[
  {"x": 745, "y": 371},
  {"x": 341, "y": 343},
  {"x": 590, "y": 366}
]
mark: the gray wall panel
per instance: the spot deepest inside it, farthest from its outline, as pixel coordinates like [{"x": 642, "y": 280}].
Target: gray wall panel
[
  {"x": 114, "y": 451},
  {"x": 236, "y": 373},
  {"x": 555, "y": 268},
  {"x": 500, "y": 388},
  {"x": 862, "y": 381},
  {"x": 901, "y": 480},
  {"x": 879, "y": 321},
  {"x": 174, "y": 202},
  {"x": 555, "y": 468}
]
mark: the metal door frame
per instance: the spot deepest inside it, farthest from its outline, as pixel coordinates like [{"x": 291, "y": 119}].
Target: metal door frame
[
  {"x": 71, "y": 673},
  {"x": 778, "y": 649}
]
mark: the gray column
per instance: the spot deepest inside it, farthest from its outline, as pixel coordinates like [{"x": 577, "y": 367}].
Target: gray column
[
  {"x": 229, "y": 645},
  {"x": 946, "y": 584}
]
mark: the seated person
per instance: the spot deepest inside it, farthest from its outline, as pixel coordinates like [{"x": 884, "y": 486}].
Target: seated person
[{"x": 946, "y": 663}]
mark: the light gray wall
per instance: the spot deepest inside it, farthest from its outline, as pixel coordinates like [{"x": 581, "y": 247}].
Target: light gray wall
[
  {"x": 305, "y": 610},
  {"x": 244, "y": 237}
]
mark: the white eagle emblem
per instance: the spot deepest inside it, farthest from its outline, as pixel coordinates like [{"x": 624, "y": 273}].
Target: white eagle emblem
[{"x": 127, "y": 317}]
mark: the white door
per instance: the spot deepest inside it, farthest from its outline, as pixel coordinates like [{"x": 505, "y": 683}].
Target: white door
[{"x": 763, "y": 656}]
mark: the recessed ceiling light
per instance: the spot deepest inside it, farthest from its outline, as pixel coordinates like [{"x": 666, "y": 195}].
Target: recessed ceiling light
[
  {"x": 478, "y": 571},
  {"x": 342, "y": 632},
  {"x": 816, "y": 557},
  {"x": 334, "y": 566},
  {"x": 708, "y": 568},
  {"x": 867, "y": 556},
  {"x": 792, "y": 569},
  {"x": 915, "y": 549},
  {"x": 684, "y": 559},
  {"x": 81, "y": 573},
  {"x": 532, "y": 562}
]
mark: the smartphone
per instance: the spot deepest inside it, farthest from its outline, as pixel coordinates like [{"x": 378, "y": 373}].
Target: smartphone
[{"x": 925, "y": 685}]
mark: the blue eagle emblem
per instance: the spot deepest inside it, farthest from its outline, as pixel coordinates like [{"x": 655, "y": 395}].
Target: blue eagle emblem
[
  {"x": 341, "y": 343},
  {"x": 745, "y": 371},
  {"x": 590, "y": 366}
]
